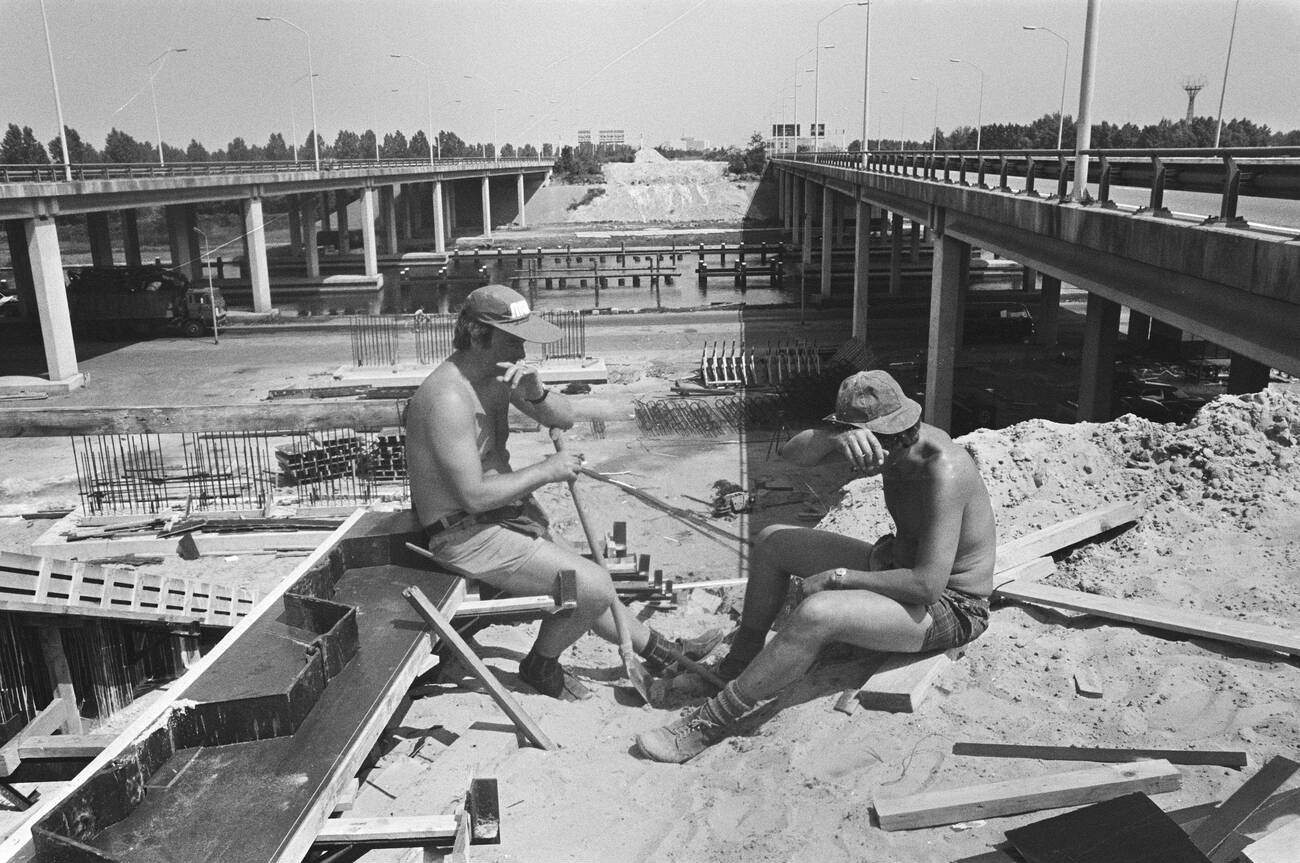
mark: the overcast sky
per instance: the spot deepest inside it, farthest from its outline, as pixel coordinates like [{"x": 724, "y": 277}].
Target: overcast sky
[{"x": 659, "y": 69}]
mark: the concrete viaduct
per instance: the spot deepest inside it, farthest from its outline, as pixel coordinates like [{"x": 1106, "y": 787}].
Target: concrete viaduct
[
  {"x": 1219, "y": 280},
  {"x": 403, "y": 197}
]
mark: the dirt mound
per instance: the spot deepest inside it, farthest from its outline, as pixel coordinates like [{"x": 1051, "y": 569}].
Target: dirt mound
[
  {"x": 657, "y": 191},
  {"x": 650, "y": 155}
]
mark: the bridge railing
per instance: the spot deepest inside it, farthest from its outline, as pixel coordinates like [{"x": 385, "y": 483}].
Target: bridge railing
[
  {"x": 54, "y": 173},
  {"x": 1271, "y": 172}
]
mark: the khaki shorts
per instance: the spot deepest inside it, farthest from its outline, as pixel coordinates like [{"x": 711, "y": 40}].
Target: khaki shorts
[{"x": 492, "y": 553}]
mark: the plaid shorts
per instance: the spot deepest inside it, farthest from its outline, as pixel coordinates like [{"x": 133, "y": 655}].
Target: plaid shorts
[{"x": 958, "y": 618}]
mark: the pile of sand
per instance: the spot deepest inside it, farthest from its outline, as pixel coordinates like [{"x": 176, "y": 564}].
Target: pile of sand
[
  {"x": 649, "y": 155},
  {"x": 650, "y": 190}
]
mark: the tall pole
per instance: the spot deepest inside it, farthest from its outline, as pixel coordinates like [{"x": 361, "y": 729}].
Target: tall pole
[
  {"x": 866, "y": 82},
  {"x": 58, "y": 103},
  {"x": 153, "y": 97},
  {"x": 311, "y": 85},
  {"x": 979, "y": 111},
  {"x": 1218, "y": 123},
  {"x": 934, "y": 127},
  {"x": 817, "y": 66},
  {"x": 1065, "y": 71},
  {"x": 1083, "y": 126},
  {"x": 428, "y": 99}
]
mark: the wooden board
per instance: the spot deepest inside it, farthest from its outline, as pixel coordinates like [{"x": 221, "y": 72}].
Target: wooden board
[
  {"x": 1126, "y": 829},
  {"x": 159, "y": 419},
  {"x": 209, "y": 544},
  {"x": 1096, "y": 753},
  {"x": 1276, "y": 847},
  {"x": 903, "y": 680},
  {"x": 63, "y": 745},
  {"x": 1193, "y": 623},
  {"x": 1064, "y": 534},
  {"x": 392, "y": 830},
  {"x": 1217, "y": 830},
  {"x": 1013, "y": 796}
]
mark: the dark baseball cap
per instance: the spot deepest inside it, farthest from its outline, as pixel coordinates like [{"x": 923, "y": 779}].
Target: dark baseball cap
[
  {"x": 503, "y": 308},
  {"x": 874, "y": 401}
]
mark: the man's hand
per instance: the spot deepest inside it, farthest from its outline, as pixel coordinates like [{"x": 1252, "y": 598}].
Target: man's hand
[
  {"x": 563, "y": 466},
  {"x": 862, "y": 450},
  {"x": 523, "y": 377},
  {"x": 806, "y": 587}
]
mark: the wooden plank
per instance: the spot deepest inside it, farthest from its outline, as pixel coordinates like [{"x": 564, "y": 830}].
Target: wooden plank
[
  {"x": 56, "y": 663},
  {"x": 51, "y": 718},
  {"x": 1127, "y": 829},
  {"x": 390, "y": 830},
  {"x": 449, "y": 636},
  {"x": 714, "y": 584},
  {"x": 64, "y": 745},
  {"x": 43, "y": 578},
  {"x": 1064, "y": 534},
  {"x": 1278, "y": 846},
  {"x": 1214, "y": 832},
  {"x": 160, "y": 419},
  {"x": 1013, "y": 796},
  {"x": 1096, "y": 753},
  {"x": 511, "y": 605},
  {"x": 903, "y": 680},
  {"x": 208, "y": 545},
  {"x": 1193, "y": 623},
  {"x": 347, "y": 796}
]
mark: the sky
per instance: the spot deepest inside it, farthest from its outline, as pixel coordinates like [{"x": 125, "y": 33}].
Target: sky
[{"x": 526, "y": 71}]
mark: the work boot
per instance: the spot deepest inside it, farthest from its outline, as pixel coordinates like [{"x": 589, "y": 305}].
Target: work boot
[
  {"x": 543, "y": 673},
  {"x": 695, "y": 730},
  {"x": 658, "y": 660},
  {"x": 745, "y": 646}
]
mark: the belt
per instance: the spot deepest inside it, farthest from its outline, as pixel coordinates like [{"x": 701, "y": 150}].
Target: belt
[
  {"x": 510, "y": 510},
  {"x": 447, "y": 523}
]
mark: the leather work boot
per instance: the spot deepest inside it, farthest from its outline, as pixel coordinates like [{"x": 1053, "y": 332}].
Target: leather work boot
[
  {"x": 682, "y": 739},
  {"x": 658, "y": 660}
]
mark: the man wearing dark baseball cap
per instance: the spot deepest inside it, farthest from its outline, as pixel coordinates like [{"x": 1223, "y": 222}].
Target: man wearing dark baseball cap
[
  {"x": 923, "y": 588},
  {"x": 477, "y": 510}
]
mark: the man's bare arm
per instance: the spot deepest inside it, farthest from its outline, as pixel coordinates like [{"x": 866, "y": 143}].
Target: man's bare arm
[
  {"x": 452, "y": 444},
  {"x": 858, "y": 447},
  {"x": 550, "y": 408}
]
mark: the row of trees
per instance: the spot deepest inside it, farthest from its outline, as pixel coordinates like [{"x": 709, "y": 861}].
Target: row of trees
[{"x": 20, "y": 146}]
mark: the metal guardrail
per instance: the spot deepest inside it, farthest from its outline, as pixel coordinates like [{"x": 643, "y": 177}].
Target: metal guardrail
[
  {"x": 54, "y": 173},
  {"x": 1270, "y": 172}
]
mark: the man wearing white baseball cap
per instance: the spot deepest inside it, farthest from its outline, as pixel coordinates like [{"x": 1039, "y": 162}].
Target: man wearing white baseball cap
[
  {"x": 477, "y": 511},
  {"x": 926, "y": 587}
]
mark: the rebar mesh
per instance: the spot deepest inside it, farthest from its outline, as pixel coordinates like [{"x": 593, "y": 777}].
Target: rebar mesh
[
  {"x": 713, "y": 417},
  {"x": 375, "y": 339},
  {"x": 433, "y": 334}
]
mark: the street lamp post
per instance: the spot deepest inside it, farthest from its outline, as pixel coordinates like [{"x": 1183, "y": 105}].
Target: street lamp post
[
  {"x": 796, "y": 94},
  {"x": 311, "y": 85},
  {"x": 153, "y": 97},
  {"x": 979, "y": 113},
  {"x": 866, "y": 82},
  {"x": 1218, "y": 123},
  {"x": 934, "y": 134},
  {"x": 817, "y": 64},
  {"x": 1065, "y": 70},
  {"x": 428, "y": 96},
  {"x": 212, "y": 294},
  {"x": 58, "y": 103},
  {"x": 293, "y": 118}
]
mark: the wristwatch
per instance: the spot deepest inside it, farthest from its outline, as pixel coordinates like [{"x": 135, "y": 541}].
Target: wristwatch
[
  {"x": 537, "y": 401},
  {"x": 837, "y": 578}
]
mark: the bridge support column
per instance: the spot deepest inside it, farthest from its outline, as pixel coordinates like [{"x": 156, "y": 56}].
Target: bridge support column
[
  {"x": 1097, "y": 374},
  {"x": 130, "y": 238},
  {"x": 295, "y": 225},
  {"x": 1049, "y": 312},
  {"x": 519, "y": 194},
  {"x": 963, "y": 292},
  {"x": 895, "y": 254},
  {"x": 324, "y": 210},
  {"x": 809, "y": 199},
  {"x": 402, "y": 204},
  {"x": 183, "y": 237},
  {"x": 388, "y": 215},
  {"x": 1166, "y": 339},
  {"x": 449, "y": 197},
  {"x": 945, "y": 325},
  {"x": 796, "y": 210},
  {"x": 1028, "y": 279},
  {"x": 259, "y": 272},
  {"x": 439, "y": 218},
  {"x": 311, "y": 250},
  {"x": 828, "y": 237},
  {"x": 914, "y": 253},
  {"x": 16, "y": 233},
  {"x": 861, "y": 267},
  {"x": 341, "y": 207},
  {"x": 101, "y": 240},
  {"x": 783, "y": 199},
  {"x": 487, "y": 206},
  {"x": 46, "y": 268},
  {"x": 369, "y": 252},
  {"x": 1246, "y": 375},
  {"x": 1139, "y": 330}
]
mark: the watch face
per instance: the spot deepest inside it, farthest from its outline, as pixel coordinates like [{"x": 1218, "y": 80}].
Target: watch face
[{"x": 841, "y": 572}]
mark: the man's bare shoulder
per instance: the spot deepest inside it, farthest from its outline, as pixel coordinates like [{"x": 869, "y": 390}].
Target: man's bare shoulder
[
  {"x": 944, "y": 461},
  {"x": 444, "y": 389}
]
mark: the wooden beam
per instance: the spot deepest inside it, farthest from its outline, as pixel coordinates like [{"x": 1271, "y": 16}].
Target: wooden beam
[
  {"x": 1192, "y": 623},
  {"x": 510, "y": 605},
  {"x": 1013, "y": 796},
  {"x": 448, "y": 635},
  {"x": 64, "y": 745},
  {"x": 903, "y": 680},
  {"x": 1215, "y": 831},
  {"x": 159, "y": 419},
  {"x": 1276, "y": 847},
  {"x": 56, "y": 663},
  {"x": 1096, "y": 753},
  {"x": 1065, "y": 534},
  {"x": 51, "y": 718},
  {"x": 390, "y": 831}
]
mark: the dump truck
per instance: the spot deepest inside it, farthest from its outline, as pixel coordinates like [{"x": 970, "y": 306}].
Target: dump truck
[{"x": 141, "y": 298}]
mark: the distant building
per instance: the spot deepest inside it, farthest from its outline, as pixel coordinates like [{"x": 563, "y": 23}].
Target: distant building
[
  {"x": 584, "y": 136},
  {"x": 612, "y": 137}
]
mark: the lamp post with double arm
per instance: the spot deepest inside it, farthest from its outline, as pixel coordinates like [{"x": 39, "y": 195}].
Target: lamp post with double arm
[
  {"x": 979, "y": 111},
  {"x": 1065, "y": 69},
  {"x": 311, "y": 84}
]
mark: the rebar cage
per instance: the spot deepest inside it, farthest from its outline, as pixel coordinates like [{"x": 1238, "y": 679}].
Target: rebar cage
[{"x": 376, "y": 339}]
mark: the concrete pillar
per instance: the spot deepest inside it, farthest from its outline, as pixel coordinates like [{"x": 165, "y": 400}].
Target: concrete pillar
[
  {"x": 861, "y": 268},
  {"x": 312, "y": 251},
  {"x": 183, "y": 239},
  {"x": 487, "y": 207},
  {"x": 388, "y": 204},
  {"x": 101, "y": 241},
  {"x": 1139, "y": 330},
  {"x": 828, "y": 234},
  {"x": 130, "y": 238},
  {"x": 449, "y": 199},
  {"x": 324, "y": 210},
  {"x": 1246, "y": 375},
  {"x": 259, "y": 272},
  {"x": 896, "y": 255},
  {"x": 295, "y": 225},
  {"x": 16, "y": 233},
  {"x": 42, "y": 239},
  {"x": 368, "y": 251},
  {"x": 1049, "y": 312},
  {"x": 341, "y": 207},
  {"x": 519, "y": 194},
  {"x": 945, "y": 322},
  {"x": 914, "y": 254},
  {"x": 1028, "y": 279},
  {"x": 439, "y": 218},
  {"x": 1097, "y": 374},
  {"x": 963, "y": 279},
  {"x": 796, "y": 210},
  {"x": 809, "y": 203},
  {"x": 1166, "y": 340},
  {"x": 402, "y": 203},
  {"x": 783, "y": 199}
]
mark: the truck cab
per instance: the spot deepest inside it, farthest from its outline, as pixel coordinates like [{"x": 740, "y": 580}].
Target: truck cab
[{"x": 136, "y": 297}]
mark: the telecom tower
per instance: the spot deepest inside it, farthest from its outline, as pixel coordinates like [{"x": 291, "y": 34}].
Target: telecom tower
[{"x": 1192, "y": 86}]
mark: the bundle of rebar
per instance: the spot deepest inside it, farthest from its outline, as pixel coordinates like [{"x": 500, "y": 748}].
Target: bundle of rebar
[
  {"x": 374, "y": 339},
  {"x": 736, "y": 364},
  {"x": 688, "y": 417}
]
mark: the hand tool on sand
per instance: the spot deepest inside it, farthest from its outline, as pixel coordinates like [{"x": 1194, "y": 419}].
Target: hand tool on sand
[
  {"x": 631, "y": 662},
  {"x": 620, "y": 610}
]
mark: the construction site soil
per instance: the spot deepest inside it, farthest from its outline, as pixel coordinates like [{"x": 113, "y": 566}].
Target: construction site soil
[{"x": 1220, "y": 499}]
